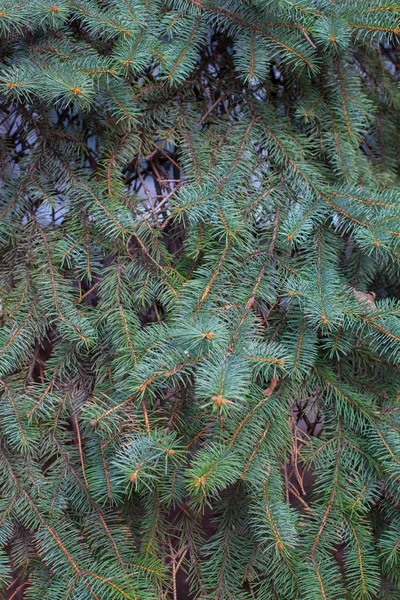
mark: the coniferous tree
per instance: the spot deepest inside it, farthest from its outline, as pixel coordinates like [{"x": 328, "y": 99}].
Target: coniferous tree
[{"x": 200, "y": 324}]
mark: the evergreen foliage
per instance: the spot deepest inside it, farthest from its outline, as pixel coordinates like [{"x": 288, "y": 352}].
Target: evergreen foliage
[{"x": 200, "y": 314}]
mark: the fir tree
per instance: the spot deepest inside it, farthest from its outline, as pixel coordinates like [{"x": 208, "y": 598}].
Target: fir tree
[{"x": 200, "y": 324}]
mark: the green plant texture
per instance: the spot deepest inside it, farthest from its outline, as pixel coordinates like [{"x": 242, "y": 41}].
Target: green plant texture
[{"x": 200, "y": 300}]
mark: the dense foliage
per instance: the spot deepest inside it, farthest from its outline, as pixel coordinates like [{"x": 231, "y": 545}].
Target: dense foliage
[{"x": 200, "y": 342}]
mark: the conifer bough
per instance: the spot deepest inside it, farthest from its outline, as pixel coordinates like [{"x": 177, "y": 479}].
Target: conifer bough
[{"x": 200, "y": 324}]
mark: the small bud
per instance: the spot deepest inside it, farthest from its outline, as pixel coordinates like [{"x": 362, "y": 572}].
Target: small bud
[
  {"x": 219, "y": 400},
  {"x": 200, "y": 481},
  {"x": 208, "y": 335},
  {"x": 134, "y": 476},
  {"x": 76, "y": 91}
]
